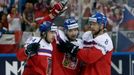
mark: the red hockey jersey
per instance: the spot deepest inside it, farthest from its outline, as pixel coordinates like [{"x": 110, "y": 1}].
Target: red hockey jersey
[
  {"x": 61, "y": 64},
  {"x": 57, "y": 66},
  {"x": 96, "y": 55},
  {"x": 39, "y": 64}
]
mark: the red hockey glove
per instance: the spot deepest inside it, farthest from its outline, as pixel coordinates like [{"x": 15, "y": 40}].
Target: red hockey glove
[{"x": 57, "y": 9}]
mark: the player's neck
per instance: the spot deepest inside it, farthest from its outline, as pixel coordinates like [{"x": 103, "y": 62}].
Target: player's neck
[{"x": 100, "y": 33}]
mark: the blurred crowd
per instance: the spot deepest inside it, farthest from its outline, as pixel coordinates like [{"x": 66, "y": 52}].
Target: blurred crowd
[{"x": 21, "y": 15}]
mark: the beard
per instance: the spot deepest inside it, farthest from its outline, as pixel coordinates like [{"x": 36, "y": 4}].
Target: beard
[
  {"x": 72, "y": 38},
  {"x": 96, "y": 32}
]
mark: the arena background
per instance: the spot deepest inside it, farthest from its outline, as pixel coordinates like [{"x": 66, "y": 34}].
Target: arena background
[{"x": 120, "y": 28}]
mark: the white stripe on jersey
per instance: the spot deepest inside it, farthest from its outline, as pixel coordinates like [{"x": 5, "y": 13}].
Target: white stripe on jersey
[{"x": 44, "y": 54}]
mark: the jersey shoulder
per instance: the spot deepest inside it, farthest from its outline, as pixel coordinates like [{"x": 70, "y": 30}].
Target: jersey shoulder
[
  {"x": 78, "y": 42},
  {"x": 33, "y": 40},
  {"x": 104, "y": 43},
  {"x": 87, "y": 36},
  {"x": 60, "y": 35}
]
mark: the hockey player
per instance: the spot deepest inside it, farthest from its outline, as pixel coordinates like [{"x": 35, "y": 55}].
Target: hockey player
[
  {"x": 64, "y": 63},
  {"x": 40, "y": 51},
  {"x": 99, "y": 48},
  {"x": 52, "y": 13}
]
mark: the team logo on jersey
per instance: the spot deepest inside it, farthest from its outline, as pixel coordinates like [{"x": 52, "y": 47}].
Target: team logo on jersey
[{"x": 69, "y": 61}]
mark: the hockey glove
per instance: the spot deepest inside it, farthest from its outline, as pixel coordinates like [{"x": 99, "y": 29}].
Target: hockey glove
[
  {"x": 57, "y": 9},
  {"x": 32, "y": 49},
  {"x": 67, "y": 47}
]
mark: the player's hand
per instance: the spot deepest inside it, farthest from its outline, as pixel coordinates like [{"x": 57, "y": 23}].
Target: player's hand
[
  {"x": 57, "y": 9},
  {"x": 32, "y": 49},
  {"x": 67, "y": 47}
]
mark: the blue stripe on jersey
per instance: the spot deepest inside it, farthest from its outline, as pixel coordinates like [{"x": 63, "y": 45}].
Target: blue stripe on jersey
[
  {"x": 45, "y": 51},
  {"x": 90, "y": 43}
]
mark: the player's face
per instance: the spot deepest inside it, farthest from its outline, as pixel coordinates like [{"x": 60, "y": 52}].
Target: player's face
[
  {"x": 94, "y": 27},
  {"x": 72, "y": 33},
  {"x": 50, "y": 36}
]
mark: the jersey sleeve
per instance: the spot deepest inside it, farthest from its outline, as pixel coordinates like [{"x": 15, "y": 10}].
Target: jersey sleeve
[
  {"x": 102, "y": 45},
  {"x": 78, "y": 42},
  {"x": 60, "y": 36},
  {"x": 87, "y": 37},
  {"x": 46, "y": 18},
  {"x": 31, "y": 40},
  {"x": 89, "y": 55},
  {"x": 21, "y": 53},
  {"x": 21, "y": 56}
]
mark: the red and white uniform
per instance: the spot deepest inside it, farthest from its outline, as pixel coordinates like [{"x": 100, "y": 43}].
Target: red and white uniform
[
  {"x": 58, "y": 65},
  {"x": 96, "y": 55},
  {"x": 39, "y": 64}
]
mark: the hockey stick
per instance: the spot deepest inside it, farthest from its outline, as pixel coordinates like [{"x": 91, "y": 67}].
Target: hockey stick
[
  {"x": 63, "y": 10},
  {"x": 64, "y": 2},
  {"x": 25, "y": 62}
]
